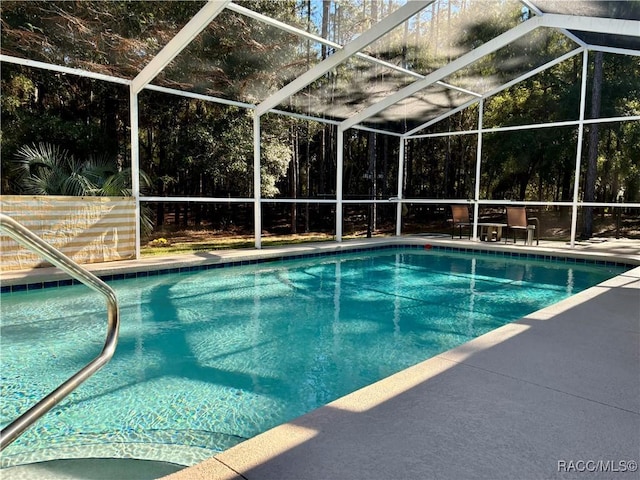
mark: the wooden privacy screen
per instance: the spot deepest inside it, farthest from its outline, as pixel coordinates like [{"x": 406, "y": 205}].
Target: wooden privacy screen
[{"x": 86, "y": 229}]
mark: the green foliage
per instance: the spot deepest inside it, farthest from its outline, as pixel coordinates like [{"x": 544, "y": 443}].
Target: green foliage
[
  {"x": 274, "y": 164},
  {"x": 17, "y": 92},
  {"x": 46, "y": 169},
  {"x": 79, "y": 115}
]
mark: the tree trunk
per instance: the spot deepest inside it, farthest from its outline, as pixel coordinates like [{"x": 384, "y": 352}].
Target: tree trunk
[
  {"x": 592, "y": 159},
  {"x": 326, "y": 5}
]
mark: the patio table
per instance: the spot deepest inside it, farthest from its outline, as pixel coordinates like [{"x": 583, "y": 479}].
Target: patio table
[{"x": 491, "y": 232}]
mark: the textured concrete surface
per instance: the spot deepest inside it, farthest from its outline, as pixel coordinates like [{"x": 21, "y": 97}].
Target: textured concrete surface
[{"x": 554, "y": 395}]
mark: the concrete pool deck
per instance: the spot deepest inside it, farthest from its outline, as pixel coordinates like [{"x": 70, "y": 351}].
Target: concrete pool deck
[{"x": 553, "y": 395}]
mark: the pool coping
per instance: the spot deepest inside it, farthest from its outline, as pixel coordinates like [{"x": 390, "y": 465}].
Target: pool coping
[{"x": 51, "y": 277}]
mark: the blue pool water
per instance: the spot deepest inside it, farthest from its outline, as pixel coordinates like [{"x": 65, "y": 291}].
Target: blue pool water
[{"x": 209, "y": 358}]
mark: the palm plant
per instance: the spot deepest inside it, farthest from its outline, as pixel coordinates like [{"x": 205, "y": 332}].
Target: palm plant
[{"x": 45, "y": 169}]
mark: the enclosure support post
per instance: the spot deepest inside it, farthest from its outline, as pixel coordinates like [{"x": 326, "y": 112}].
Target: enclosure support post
[
  {"x": 257, "y": 209},
  {"x": 400, "y": 185},
  {"x": 576, "y": 179},
  {"x": 339, "y": 164},
  {"x": 135, "y": 163},
  {"x": 476, "y": 194}
]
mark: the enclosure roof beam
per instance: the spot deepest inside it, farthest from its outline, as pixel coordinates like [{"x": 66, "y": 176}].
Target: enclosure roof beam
[
  {"x": 198, "y": 96},
  {"x": 439, "y": 118},
  {"x": 461, "y": 62},
  {"x": 614, "y": 50},
  {"x": 366, "y": 38},
  {"x": 499, "y": 89},
  {"x": 588, "y": 24},
  {"x": 323, "y": 41},
  {"x": 171, "y": 50},
  {"x": 59, "y": 68},
  {"x": 612, "y": 26},
  {"x": 534, "y": 72},
  {"x": 534, "y": 8},
  {"x": 316, "y": 38}
]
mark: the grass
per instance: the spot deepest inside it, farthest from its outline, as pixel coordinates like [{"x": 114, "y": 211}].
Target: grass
[{"x": 196, "y": 243}]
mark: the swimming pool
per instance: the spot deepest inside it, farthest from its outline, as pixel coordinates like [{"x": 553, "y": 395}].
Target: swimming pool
[{"x": 209, "y": 358}]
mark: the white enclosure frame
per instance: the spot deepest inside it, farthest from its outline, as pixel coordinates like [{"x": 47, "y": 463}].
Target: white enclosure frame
[{"x": 564, "y": 23}]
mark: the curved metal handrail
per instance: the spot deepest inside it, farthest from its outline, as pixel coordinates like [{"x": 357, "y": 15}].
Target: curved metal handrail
[{"x": 34, "y": 243}]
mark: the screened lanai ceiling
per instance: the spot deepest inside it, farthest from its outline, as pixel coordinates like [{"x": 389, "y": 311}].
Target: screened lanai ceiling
[{"x": 385, "y": 64}]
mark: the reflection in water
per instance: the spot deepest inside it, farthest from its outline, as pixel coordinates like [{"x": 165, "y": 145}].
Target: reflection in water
[
  {"x": 570, "y": 281},
  {"x": 209, "y": 358}
]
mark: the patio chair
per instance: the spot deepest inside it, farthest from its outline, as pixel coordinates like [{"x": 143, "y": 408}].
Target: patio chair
[
  {"x": 460, "y": 218},
  {"x": 518, "y": 221}
]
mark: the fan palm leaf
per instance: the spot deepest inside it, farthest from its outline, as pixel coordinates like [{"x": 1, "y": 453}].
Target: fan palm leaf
[
  {"x": 119, "y": 183},
  {"x": 41, "y": 168}
]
